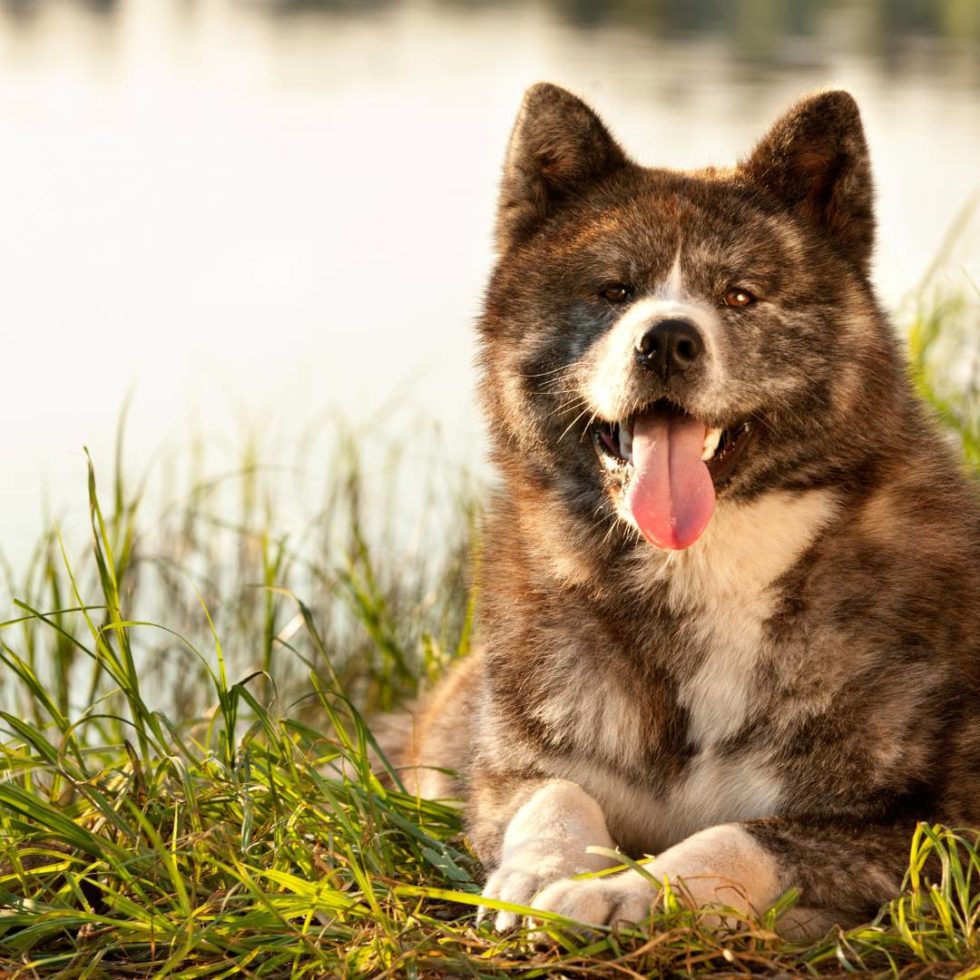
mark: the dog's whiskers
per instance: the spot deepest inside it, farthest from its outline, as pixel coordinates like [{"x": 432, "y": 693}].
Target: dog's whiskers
[
  {"x": 571, "y": 424},
  {"x": 545, "y": 374}
]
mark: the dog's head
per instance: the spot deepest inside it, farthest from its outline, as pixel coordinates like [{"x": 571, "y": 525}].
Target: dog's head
[{"x": 653, "y": 339}]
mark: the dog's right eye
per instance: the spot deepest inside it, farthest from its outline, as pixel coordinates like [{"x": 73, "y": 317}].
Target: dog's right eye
[
  {"x": 615, "y": 292},
  {"x": 738, "y": 297}
]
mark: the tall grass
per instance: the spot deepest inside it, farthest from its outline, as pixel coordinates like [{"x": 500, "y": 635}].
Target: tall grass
[
  {"x": 184, "y": 785},
  {"x": 944, "y": 344}
]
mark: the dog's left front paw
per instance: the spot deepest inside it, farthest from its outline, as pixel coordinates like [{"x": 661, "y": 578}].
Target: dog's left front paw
[{"x": 621, "y": 899}]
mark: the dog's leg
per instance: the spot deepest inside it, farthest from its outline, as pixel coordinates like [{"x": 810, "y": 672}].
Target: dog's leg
[
  {"x": 545, "y": 841},
  {"x": 843, "y": 875}
]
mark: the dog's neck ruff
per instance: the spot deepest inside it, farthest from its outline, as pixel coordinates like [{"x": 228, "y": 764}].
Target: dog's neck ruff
[{"x": 745, "y": 548}]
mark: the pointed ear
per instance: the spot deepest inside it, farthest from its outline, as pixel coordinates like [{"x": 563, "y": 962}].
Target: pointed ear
[
  {"x": 815, "y": 161},
  {"x": 557, "y": 148}
]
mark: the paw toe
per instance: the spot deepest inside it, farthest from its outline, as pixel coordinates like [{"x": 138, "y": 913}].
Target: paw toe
[
  {"x": 584, "y": 901},
  {"x": 508, "y": 885},
  {"x": 597, "y": 902},
  {"x": 630, "y": 909}
]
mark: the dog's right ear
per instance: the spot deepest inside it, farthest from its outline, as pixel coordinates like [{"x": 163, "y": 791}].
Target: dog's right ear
[{"x": 558, "y": 147}]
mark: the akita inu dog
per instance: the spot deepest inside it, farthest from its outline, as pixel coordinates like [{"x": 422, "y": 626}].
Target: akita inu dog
[{"x": 731, "y": 581}]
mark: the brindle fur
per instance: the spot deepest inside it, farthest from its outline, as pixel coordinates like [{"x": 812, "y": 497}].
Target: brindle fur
[{"x": 808, "y": 671}]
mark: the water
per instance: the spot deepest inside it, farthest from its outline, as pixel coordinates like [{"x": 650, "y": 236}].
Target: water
[{"x": 251, "y": 214}]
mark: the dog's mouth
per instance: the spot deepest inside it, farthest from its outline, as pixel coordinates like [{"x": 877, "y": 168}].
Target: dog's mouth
[
  {"x": 670, "y": 464},
  {"x": 720, "y": 451}
]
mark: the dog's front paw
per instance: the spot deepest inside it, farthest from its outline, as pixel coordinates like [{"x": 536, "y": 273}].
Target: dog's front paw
[
  {"x": 621, "y": 899},
  {"x": 518, "y": 883},
  {"x": 546, "y": 840}
]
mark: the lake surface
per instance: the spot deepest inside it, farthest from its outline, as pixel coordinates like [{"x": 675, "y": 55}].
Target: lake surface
[{"x": 254, "y": 215}]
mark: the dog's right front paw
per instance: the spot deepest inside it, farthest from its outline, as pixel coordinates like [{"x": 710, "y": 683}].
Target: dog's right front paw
[
  {"x": 546, "y": 840},
  {"x": 518, "y": 884}
]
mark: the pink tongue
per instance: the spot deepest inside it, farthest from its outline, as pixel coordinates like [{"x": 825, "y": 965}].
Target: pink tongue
[{"x": 671, "y": 496}]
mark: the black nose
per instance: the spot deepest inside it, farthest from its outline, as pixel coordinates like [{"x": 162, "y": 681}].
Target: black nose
[{"x": 669, "y": 347}]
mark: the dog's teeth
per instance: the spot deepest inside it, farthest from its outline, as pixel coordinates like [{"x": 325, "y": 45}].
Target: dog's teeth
[
  {"x": 711, "y": 439},
  {"x": 625, "y": 441}
]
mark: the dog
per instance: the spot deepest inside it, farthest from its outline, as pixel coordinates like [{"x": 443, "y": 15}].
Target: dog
[{"x": 730, "y": 587}]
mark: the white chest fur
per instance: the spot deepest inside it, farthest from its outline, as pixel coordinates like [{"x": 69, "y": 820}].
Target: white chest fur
[
  {"x": 723, "y": 585},
  {"x": 714, "y": 790}
]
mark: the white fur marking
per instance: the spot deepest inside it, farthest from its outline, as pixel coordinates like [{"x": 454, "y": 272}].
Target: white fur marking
[
  {"x": 723, "y": 585},
  {"x": 721, "y": 789},
  {"x": 546, "y": 841},
  {"x": 726, "y": 575},
  {"x": 610, "y": 371},
  {"x": 715, "y": 790},
  {"x": 672, "y": 289},
  {"x": 723, "y": 865}
]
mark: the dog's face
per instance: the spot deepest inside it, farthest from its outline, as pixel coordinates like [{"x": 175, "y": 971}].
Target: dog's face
[{"x": 656, "y": 339}]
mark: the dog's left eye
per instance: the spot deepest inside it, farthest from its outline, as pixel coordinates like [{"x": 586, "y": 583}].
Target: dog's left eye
[
  {"x": 615, "y": 292},
  {"x": 738, "y": 297}
]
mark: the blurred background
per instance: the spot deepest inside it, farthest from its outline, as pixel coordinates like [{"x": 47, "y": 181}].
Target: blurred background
[{"x": 253, "y": 218}]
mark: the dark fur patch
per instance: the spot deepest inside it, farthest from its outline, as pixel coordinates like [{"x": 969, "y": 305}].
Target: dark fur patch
[
  {"x": 815, "y": 161},
  {"x": 558, "y": 147}
]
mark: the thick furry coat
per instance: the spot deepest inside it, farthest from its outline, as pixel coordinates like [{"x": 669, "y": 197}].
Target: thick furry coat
[{"x": 775, "y": 703}]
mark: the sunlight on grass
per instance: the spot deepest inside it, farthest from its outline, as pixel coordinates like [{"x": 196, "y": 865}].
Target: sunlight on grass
[{"x": 184, "y": 775}]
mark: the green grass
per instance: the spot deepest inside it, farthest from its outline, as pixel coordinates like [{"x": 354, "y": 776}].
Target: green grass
[{"x": 183, "y": 778}]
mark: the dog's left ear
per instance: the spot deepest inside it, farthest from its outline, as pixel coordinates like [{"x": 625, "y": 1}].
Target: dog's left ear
[{"x": 815, "y": 161}]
